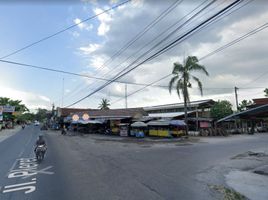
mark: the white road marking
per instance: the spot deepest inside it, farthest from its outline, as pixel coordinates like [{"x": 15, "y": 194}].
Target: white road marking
[{"x": 20, "y": 184}]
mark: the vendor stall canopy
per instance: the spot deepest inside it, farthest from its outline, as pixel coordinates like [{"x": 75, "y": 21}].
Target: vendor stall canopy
[
  {"x": 86, "y": 122},
  {"x": 162, "y": 122},
  {"x": 138, "y": 124}
]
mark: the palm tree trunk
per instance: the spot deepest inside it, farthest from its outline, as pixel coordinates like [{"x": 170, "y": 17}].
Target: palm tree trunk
[
  {"x": 185, "y": 106},
  {"x": 185, "y": 114}
]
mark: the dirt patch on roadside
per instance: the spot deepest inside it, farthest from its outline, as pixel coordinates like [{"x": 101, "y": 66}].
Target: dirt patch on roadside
[
  {"x": 250, "y": 154},
  {"x": 228, "y": 194},
  {"x": 147, "y": 142}
]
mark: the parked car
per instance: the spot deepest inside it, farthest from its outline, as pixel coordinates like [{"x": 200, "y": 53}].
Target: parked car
[
  {"x": 36, "y": 123},
  {"x": 261, "y": 129}
]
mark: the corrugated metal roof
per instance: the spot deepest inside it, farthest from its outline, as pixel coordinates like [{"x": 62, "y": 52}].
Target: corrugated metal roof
[
  {"x": 247, "y": 113},
  {"x": 178, "y": 105},
  {"x": 169, "y": 114}
]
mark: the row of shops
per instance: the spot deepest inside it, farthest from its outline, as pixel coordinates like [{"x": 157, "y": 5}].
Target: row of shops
[
  {"x": 123, "y": 122},
  {"x": 163, "y": 120}
]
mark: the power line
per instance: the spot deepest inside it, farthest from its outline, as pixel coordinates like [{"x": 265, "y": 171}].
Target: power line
[
  {"x": 159, "y": 35},
  {"x": 158, "y": 52},
  {"x": 63, "y": 30},
  {"x": 137, "y": 37},
  {"x": 65, "y": 72},
  {"x": 204, "y": 57},
  {"x": 145, "y": 30}
]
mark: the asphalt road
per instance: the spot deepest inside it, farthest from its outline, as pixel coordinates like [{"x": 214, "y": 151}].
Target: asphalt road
[{"x": 95, "y": 168}]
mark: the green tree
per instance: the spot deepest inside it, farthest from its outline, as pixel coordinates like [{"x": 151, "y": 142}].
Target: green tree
[
  {"x": 243, "y": 105},
  {"x": 221, "y": 109},
  {"x": 265, "y": 92},
  {"x": 19, "y": 107},
  {"x": 104, "y": 105},
  {"x": 26, "y": 117},
  {"x": 182, "y": 75},
  {"x": 41, "y": 114}
]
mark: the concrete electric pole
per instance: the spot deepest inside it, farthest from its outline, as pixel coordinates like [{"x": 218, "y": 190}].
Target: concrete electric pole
[{"x": 236, "y": 99}]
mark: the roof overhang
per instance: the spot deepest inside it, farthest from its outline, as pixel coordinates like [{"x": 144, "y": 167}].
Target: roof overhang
[{"x": 254, "y": 113}]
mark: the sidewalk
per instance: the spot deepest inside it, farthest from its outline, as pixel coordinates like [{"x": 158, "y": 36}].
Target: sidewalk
[{"x": 6, "y": 133}]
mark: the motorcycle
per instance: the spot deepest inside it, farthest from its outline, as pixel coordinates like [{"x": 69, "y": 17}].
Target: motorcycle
[
  {"x": 40, "y": 152},
  {"x": 63, "y": 131},
  {"x": 23, "y": 126}
]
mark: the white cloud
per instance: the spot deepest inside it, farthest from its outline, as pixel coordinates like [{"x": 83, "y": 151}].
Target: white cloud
[
  {"x": 31, "y": 100},
  {"x": 235, "y": 66},
  {"x": 90, "y": 48},
  {"x": 83, "y": 26},
  {"x": 104, "y": 19}
]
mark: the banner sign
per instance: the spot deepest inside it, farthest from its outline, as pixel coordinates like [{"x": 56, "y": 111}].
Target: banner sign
[{"x": 7, "y": 109}]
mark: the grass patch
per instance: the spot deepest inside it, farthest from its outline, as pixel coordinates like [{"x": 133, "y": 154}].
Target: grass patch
[{"x": 228, "y": 194}]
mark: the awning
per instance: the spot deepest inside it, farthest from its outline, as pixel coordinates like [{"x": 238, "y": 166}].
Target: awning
[
  {"x": 258, "y": 112},
  {"x": 87, "y": 122},
  {"x": 169, "y": 114},
  {"x": 177, "y": 123},
  {"x": 138, "y": 124},
  {"x": 159, "y": 123}
]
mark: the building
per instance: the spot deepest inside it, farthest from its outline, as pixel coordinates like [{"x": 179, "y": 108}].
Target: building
[
  {"x": 198, "y": 113},
  {"x": 254, "y": 118}
]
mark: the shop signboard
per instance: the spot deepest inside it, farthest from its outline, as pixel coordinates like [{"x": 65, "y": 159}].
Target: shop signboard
[
  {"x": 205, "y": 125},
  {"x": 1, "y": 110},
  {"x": 123, "y": 131},
  {"x": 7, "y": 109}
]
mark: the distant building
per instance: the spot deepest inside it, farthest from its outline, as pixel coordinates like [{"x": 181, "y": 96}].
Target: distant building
[
  {"x": 198, "y": 113},
  {"x": 258, "y": 102},
  {"x": 64, "y": 112}
]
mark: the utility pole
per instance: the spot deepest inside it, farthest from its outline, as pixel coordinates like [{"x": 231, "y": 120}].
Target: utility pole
[
  {"x": 236, "y": 102},
  {"x": 236, "y": 99},
  {"x": 126, "y": 94},
  {"x": 62, "y": 93}
]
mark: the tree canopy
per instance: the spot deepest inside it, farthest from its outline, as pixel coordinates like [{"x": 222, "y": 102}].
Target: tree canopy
[
  {"x": 221, "y": 109},
  {"x": 265, "y": 92},
  {"x": 243, "y": 105},
  {"x": 104, "y": 105},
  {"x": 19, "y": 107}
]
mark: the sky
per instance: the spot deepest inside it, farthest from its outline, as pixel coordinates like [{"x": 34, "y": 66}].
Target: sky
[{"x": 91, "y": 48}]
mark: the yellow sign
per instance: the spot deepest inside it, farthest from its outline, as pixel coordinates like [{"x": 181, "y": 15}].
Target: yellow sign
[
  {"x": 85, "y": 116},
  {"x": 75, "y": 117}
]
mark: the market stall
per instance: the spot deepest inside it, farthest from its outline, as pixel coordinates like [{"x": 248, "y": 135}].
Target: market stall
[
  {"x": 166, "y": 128},
  {"x": 138, "y": 129},
  {"x": 124, "y": 129}
]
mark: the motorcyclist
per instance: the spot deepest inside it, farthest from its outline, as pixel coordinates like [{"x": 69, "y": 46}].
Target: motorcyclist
[
  {"x": 63, "y": 130},
  {"x": 40, "y": 141}
]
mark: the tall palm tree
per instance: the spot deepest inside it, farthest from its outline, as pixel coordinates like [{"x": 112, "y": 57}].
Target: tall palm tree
[
  {"x": 104, "y": 105},
  {"x": 182, "y": 77}
]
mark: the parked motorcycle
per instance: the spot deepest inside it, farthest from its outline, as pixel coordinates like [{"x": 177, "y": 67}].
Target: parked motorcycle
[
  {"x": 63, "y": 131},
  {"x": 40, "y": 152},
  {"x": 108, "y": 132}
]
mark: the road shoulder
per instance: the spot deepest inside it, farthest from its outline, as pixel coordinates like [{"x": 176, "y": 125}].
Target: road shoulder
[{"x": 6, "y": 133}]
